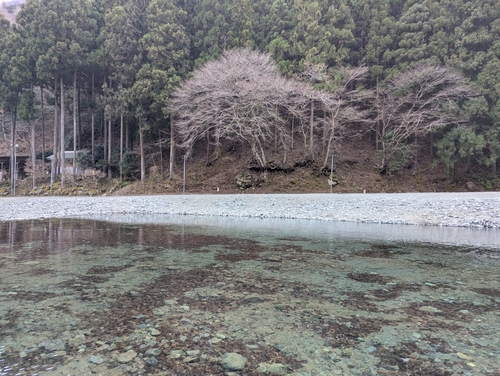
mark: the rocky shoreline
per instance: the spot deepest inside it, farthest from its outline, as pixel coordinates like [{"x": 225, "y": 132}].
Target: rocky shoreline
[{"x": 477, "y": 209}]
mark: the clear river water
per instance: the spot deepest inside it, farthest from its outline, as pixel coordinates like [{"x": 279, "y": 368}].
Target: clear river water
[{"x": 129, "y": 295}]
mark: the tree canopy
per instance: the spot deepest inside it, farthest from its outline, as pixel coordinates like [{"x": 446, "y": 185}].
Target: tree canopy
[{"x": 324, "y": 68}]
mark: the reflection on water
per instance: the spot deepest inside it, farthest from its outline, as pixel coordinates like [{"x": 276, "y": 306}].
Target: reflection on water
[{"x": 290, "y": 297}]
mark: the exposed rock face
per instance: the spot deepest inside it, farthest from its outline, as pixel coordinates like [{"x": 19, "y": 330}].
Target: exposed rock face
[{"x": 244, "y": 180}]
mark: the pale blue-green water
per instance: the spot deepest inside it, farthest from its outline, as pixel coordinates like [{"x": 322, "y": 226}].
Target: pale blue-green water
[{"x": 172, "y": 295}]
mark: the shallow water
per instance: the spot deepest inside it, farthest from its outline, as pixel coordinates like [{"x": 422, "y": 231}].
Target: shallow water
[{"x": 82, "y": 297}]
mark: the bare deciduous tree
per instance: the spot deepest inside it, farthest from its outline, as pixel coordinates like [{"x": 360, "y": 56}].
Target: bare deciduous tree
[
  {"x": 240, "y": 96},
  {"x": 344, "y": 106},
  {"x": 415, "y": 103},
  {"x": 335, "y": 109}
]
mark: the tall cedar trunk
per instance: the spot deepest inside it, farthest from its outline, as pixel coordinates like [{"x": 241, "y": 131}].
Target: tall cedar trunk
[
  {"x": 53, "y": 168},
  {"x": 127, "y": 137},
  {"x": 3, "y": 124},
  {"x": 172, "y": 147},
  {"x": 43, "y": 124},
  {"x": 102, "y": 132},
  {"x": 141, "y": 146},
  {"x": 105, "y": 133},
  {"x": 378, "y": 121},
  {"x": 161, "y": 153},
  {"x": 79, "y": 119},
  {"x": 13, "y": 168},
  {"x": 75, "y": 125},
  {"x": 109, "y": 138},
  {"x": 92, "y": 142},
  {"x": 110, "y": 173},
  {"x": 63, "y": 156},
  {"x": 121, "y": 146},
  {"x": 33, "y": 154},
  {"x": 33, "y": 150},
  {"x": 311, "y": 128}
]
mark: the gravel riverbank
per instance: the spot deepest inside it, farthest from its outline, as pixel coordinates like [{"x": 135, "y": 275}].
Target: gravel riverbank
[{"x": 478, "y": 209}]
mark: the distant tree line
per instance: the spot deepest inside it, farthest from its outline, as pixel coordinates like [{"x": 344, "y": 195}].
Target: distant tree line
[{"x": 154, "y": 73}]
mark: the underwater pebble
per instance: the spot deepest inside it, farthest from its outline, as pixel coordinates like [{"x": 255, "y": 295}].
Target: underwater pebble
[
  {"x": 253, "y": 299},
  {"x": 126, "y": 357},
  {"x": 53, "y": 345},
  {"x": 154, "y": 332},
  {"x": 152, "y": 361},
  {"x": 347, "y": 352},
  {"x": 273, "y": 369},
  {"x": 233, "y": 361},
  {"x": 429, "y": 309},
  {"x": 463, "y": 356},
  {"x": 190, "y": 359},
  {"x": 30, "y": 263},
  {"x": 152, "y": 352},
  {"x": 96, "y": 359},
  {"x": 176, "y": 354}
]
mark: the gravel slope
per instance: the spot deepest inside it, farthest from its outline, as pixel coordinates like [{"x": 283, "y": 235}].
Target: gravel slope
[{"x": 479, "y": 209}]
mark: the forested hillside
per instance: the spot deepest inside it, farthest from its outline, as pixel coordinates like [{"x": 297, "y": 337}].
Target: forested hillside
[
  {"x": 9, "y": 9},
  {"x": 139, "y": 84}
]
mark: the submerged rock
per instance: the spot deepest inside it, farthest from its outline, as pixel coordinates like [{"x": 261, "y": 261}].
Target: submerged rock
[
  {"x": 429, "y": 309},
  {"x": 126, "y": 357},
  {"x": 272, "y": 369},
  {"x": 152, "y": 353},
  {"x": 96, "y": 359},
  {"x": 233, "y": 361},
  {"x": 254, "y": 299},
  {"x": 154, "y": 332},
  {"x": 176, "y": 354},
  {"x": 53, "y": 345},
  {"x": 152, "y": 361}
]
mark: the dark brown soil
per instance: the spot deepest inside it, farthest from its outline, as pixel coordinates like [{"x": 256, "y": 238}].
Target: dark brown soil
[{"x": 355, "y": 171}]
